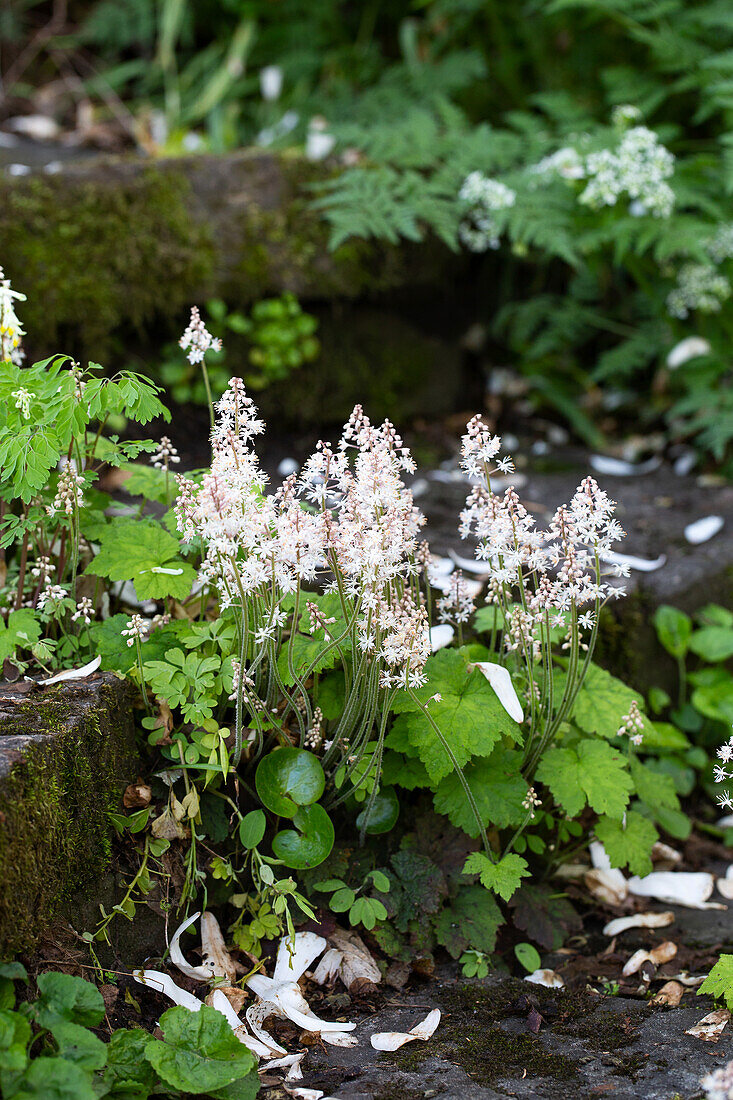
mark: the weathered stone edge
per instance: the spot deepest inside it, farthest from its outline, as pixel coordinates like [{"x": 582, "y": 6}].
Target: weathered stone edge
[{"x": 65, "y": 755}]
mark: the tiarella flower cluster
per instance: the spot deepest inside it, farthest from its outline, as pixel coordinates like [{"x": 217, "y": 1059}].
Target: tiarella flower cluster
[
  {"x": 722, "y": 773},
  {"x": 637, "y": 169},
  {"x": 699, "y": 286},
  {"x": 11, "y": 331},
  {"x": 456, "y": 606},
  {"x": 632, "y": 724},
  {"x": 556, "y": 571},
  {"x": 483, "y": 198},
  {"x": 69, "y": 492},
  {"x": 358, "y": 524},
  {"x": 164, "y": 455},
  {"x": 718, "y": 1085},
  {"x": 197, "y": 340}
]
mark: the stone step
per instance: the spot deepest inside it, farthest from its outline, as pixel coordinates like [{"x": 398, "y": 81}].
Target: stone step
[{"x": 66, "y": 753}]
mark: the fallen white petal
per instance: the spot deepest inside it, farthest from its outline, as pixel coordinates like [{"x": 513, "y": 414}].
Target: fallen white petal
[
  {"x": 725, "y": 885},
  {"x": 220, "y": 1002},
  {"x": 725, "y": 822},
  {"x": 609, "y": 887},
  {"x": 638, "y": 920},
  {"x": 339, "y": 1039},
  {"x": 217, "y": 959},
  {"x": 711, "y": 1027},
  {"x": 329, "y": 966},
  {"x": 200, "y": 973},
  {"x": 663, "y": 953},
  {"x": 294, "y": 957},
  {"x": 501, "y": 681},
  {"x": 619, "y": 467},
  {"x": 357, "y": 962},
  {"x": 441, "y": 567},
  {"x": 440, "y": 637},
  {"x": 287, "y": 467},
  {"x": 690, "y": 348},
  {"x": 642, "y": 565},
  {"x": 393, "y": 1040},
  {"x": 599, "y": 856},
  {"x": 291, "y": 1062},
  {"x": 662, "y": 852},
  {"x": 74, "y": 673},
  {"x": 688, "y": 888},
  {"x": 471, "y": 565},
  {"x": 254, "y": 1015},
  {"x": 702, "y": 530},
  {"x": 163, "y": 983},
  {"x": 670, "y": 994},
  {"x": 549, "y": 978}
]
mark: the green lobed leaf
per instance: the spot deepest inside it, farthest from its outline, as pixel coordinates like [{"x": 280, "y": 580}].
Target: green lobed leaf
[
  {"x": 49, "y": 1078},
  {"x": 145, "y": 553},
  {"x": 497, "y": 787},
  {"x": 66, "y": 997},
  {"x": 719, "y": 982},
  {"x": 503, "y": 877},
  {"x": 602, "y": 703},
  {"x": 15, "y": 1035},
  {"x": 674, "y": 630},
  {"x": 471, "y": 921},
  {"x": 128, "y": 1072},
  {"x": 628, "y": 842},
  {"x": 199, "y": 1051},
  {"x": 469, "y": 715},
  {"x": 591, "y": 772},
  {"x": 309, "y": 843},
  {"x": 288, "y": 778},
  {"x": 79, "y": 1045}
]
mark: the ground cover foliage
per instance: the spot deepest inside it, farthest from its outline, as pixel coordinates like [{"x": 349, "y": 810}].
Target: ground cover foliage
[
  {"x": 585, "y": 144},
  {"x": 333, "y": 718}
]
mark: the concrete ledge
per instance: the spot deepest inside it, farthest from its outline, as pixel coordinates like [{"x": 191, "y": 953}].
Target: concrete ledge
[{"x": 66, "y": 753}]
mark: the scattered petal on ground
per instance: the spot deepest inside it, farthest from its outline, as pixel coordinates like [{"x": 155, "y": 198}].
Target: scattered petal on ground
[
  {"x": 163, "y": 983},
  {"x": 638, "y": 920},
  {"x": 702, "y": 530},
  {"x": 393, "y": 1040},
  {"x": 688, "y": 888},
  {"x": 549, "y": 978}
]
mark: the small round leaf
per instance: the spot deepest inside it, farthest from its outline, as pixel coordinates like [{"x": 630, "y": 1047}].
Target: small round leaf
[
  {"x": 528, "y": 956},
  {"x": 383, "y": 814},
  {"x": 289, "y": 778},
  {"x": 312, "y": 842}
]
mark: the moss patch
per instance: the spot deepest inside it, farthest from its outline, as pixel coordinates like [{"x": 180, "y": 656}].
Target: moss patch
[
  {"x": 64, "y": 757},
  {"x": 484, "y": 1031}
]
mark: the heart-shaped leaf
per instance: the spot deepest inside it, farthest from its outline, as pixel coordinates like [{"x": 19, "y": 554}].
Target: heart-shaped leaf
[{"x": 312, "y": 842}]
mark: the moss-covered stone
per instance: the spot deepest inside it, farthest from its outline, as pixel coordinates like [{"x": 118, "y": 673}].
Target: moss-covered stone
[
  {"x": 65, "y": 754},
  {"x": 109, "y": 243},
  {"x": 95, "y": 254}
]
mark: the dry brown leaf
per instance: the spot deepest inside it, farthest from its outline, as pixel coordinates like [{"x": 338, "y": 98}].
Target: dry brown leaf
[
  {"x": 137, "y": 795},
  {"x": 670, "y": 994},
  {"x": 711, "y": 1027}
]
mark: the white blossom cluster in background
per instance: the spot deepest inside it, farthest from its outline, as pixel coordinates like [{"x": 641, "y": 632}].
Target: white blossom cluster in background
[
  {"x": 566, "y": 162},
  {"x": 483, "y": 197},
  {"x": 699, "y": 286},
  {"x": 720, "y": 247},
  {"x": 722, "y": 773},
  {"x": 11, "y": 331},
  {"x": 638, "y": 169},
  {"x": 718, "y": 1085}
]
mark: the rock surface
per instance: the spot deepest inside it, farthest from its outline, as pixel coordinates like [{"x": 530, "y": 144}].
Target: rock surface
[
  {"x": 587, "y": 1046},
  {"x": 66, "y": 752}
]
